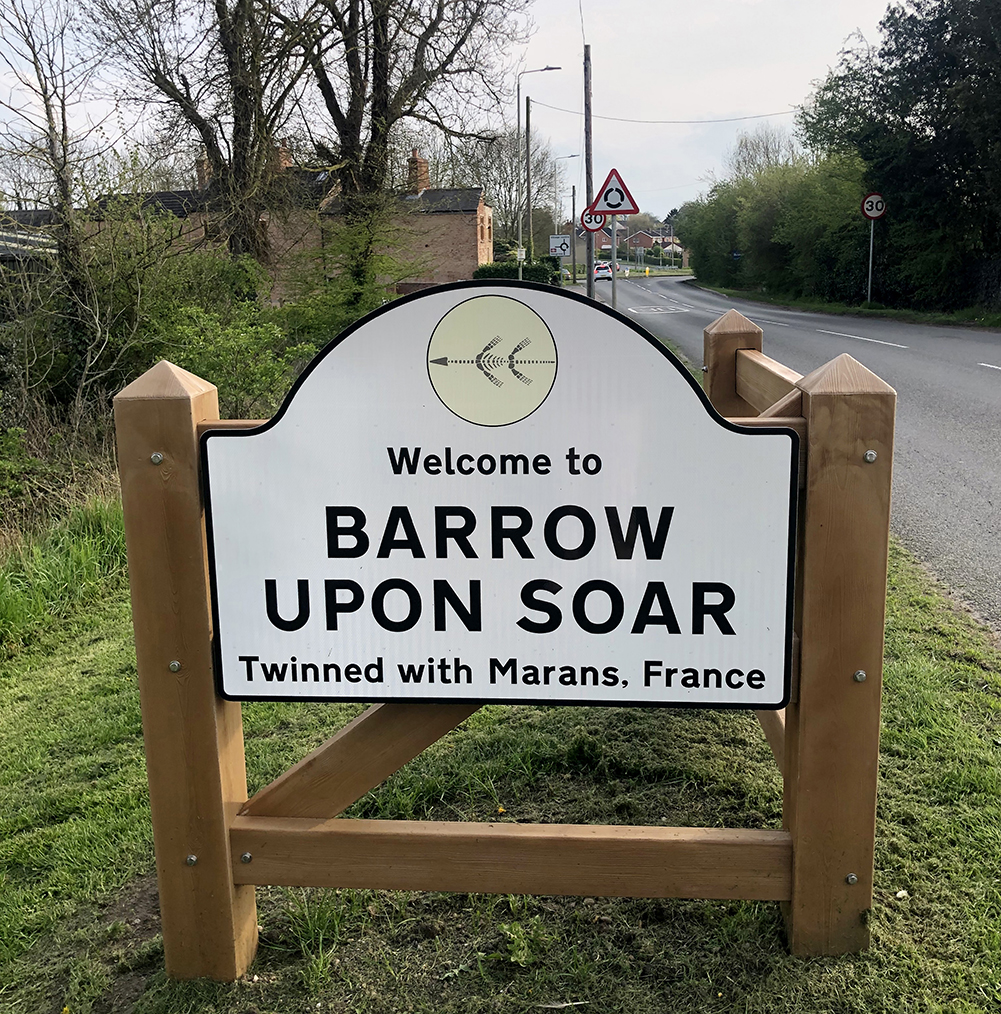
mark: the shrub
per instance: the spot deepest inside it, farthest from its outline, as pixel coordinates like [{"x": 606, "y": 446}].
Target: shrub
[
  {"x": 541, "y": 270},
  {"x": 248, "y": 358}
]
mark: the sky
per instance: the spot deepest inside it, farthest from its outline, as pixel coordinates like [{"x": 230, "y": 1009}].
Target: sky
[{"x": 666, "y": 60}]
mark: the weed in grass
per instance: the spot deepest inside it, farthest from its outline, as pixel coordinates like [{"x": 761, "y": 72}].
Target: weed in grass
[
  {"x": 319, "y": 919},
  {"x": 524, "y": 942}
]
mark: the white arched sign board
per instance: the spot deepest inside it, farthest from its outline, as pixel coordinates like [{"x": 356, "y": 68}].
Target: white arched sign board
[{"x": 501, "y": 492}]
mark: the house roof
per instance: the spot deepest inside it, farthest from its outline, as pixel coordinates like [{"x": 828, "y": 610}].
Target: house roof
[
  {"x": 438, "y": 202},
  {"x": 33, "y": 218},
  {"x": 459, "y": 200},
  {"x": 179, "y": 203},
  {"x": 18, "y": 244}
]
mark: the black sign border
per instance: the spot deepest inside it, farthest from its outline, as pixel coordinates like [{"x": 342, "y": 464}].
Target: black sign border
[{"x": 651, "y": 339}]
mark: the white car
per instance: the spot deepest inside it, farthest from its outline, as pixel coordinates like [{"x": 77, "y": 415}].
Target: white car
[{"x": 602, "y": 270}]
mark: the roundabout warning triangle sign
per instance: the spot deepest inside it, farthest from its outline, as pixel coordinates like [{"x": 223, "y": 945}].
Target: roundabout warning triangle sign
[{"x": 613, "y": 198}]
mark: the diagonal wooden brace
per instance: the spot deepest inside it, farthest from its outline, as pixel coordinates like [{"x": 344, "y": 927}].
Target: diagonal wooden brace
[{"x": 356, "y": 759}]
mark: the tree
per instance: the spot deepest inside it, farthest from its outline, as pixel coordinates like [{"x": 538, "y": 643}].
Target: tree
[
  {"x": 923, "y": 111},
  {"x": 43, "y": 153},
  {"x": 377, "y": 63},
  {"x": 643, "y": 222},
  {"x": 217, "y": 69},
  {"x": 42, "y": 145},
  {"x": 497, "y": 165},
  {"x": 765, "y": 147}
]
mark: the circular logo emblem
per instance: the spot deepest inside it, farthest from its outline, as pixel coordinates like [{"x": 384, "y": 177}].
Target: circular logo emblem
[{"x": 492, "y": 360}]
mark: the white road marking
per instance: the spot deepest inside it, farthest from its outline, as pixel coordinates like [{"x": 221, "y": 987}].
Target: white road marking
[
  {"x": 841, "y": 334},
  {"x": 778, "y": 323},
  {"x": 989, "y": 366},
  {"x": 656, "y": 309}
]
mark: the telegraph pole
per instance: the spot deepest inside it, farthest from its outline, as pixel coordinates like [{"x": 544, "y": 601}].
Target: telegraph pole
[{"x": 588, "y": 166}]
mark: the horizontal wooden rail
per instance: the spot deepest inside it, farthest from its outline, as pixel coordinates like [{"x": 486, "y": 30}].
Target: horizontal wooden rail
[
  {"x": 762, "y": 381},
  {"x": 790, "y": 405},
  {"x": 356, "y": 759},
  {"x": 600, "y": 860}
]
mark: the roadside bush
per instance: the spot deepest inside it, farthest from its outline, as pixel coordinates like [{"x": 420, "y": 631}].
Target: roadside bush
[
  {"x": 247, "y": 357},
  {"x": 791, "y": 228},
  {"x": 541, "y": 270}
]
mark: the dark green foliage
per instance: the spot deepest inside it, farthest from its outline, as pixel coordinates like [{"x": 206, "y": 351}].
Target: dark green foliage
[
  {"x": 793, "y": 228},
  {"x": 541, "y": 270},
  {"x": 924, "y": 113},
  {"x": 708, "y": 228},
  {"x": 917, "y": 119},
  {"x": 505, "y": 249}
]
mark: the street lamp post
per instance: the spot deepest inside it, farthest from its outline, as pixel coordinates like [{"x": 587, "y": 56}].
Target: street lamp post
[
  {"x": 536, "y": 70},
  {"x": 573, "y": 217}
]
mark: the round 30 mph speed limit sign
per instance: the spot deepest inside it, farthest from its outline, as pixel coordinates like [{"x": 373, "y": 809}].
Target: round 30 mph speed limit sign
[
  {"x": 873, "y": 206},
  {"x": 592, "y": 222}
]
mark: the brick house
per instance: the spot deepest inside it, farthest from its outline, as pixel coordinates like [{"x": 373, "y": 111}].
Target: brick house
[
  {"x": 448, "y": 233},
  {"x": 441, "y": 235}
]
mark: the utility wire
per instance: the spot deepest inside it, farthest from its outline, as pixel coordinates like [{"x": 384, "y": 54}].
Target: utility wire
[{"x": 622, "y": 119}]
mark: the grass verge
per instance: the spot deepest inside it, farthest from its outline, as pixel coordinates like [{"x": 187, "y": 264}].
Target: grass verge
[
  {"x": 47, "y": 577},
  {"x": 970, "y": 317},
  {"x": 78, "y": 925}
]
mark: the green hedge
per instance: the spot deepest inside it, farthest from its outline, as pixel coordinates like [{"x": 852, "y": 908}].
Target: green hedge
[{"x": 542, "y": 270}]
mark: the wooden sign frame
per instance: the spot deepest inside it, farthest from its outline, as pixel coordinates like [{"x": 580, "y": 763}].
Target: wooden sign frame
[{"x": 213, "y": 844}]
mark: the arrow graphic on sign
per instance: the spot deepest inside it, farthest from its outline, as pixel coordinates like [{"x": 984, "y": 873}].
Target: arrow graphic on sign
[{"x": 485, "y": 362}]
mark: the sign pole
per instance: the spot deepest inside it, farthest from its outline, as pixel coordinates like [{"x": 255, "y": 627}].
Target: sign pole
[
  {"x": 872, "y": 226},
  {"x": 573, "y": 231},
  {"x": 615, "y": 254},
  {"x": 873, "y": 207},
  {"x": 519, "y": 253},
  {"x": 587, "y": 166}
]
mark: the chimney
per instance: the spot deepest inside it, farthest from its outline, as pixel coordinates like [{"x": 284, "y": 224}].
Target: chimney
[
  {"x": 203, "y": 171},
  {"x": 417, "y": 174},
  {"x": 285, "y": 160}
]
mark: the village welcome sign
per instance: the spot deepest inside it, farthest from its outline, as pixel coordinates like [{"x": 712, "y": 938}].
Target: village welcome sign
[{"x": 501, "y": 492}]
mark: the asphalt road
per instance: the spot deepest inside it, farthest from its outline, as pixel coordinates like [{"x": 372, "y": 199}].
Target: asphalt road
[{"x": 947, "y": 460}]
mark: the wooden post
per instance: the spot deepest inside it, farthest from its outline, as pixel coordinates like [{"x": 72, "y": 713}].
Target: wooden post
[
  {"x": 194, "y": 740},
  {"x": 832, "y": 731},
  {"x": 722, "y": 339}
]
